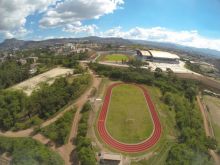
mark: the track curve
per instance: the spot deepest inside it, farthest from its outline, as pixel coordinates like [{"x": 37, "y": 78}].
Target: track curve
[{"x": 129, "y": 148}]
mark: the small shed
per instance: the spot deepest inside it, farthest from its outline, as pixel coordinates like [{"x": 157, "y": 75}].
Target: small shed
[{"x": 110, "y": 159}]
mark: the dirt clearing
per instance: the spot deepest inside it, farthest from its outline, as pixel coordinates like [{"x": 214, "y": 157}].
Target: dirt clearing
[{"x": 33, "y": 83}]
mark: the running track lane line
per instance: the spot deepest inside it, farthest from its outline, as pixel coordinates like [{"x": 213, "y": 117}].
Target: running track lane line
[{"x": 129, "y": 148}]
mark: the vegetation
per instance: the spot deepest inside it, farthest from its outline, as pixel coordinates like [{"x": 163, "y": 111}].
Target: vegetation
[
  {"x": 66, "y": 61},
  {"x": 127, "y": 114},
  {"x": 59, "y": 130},
  {"x": 136, "y": 63},
  {"x": 212, "y": 105},
  {"x": 193, "y": 67},
  {"x": 19, "y": 111},
  {"x": 116, "y": 57},
  {"x": 192, "y": 146},
  {"x": 85, "y": 153},
  {"x": 26, "y": 151},
  {"x": 12, "y": 72}
]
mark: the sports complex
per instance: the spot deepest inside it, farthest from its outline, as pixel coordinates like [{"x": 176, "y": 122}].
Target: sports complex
[{"x": 117, "y": 125}]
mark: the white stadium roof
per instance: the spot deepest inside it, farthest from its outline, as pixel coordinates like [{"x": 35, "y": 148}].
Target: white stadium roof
[
  {"x": 167, "y": 55},
  {"x": 145, "y": 53}
]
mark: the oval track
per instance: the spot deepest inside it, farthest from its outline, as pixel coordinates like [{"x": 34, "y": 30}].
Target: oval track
[{"x": 129, "y": 148}]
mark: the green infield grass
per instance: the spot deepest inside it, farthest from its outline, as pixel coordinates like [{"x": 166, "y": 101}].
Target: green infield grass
[
  {"x": 129, "y": 119},
  {"x": 115, "y": 57}
]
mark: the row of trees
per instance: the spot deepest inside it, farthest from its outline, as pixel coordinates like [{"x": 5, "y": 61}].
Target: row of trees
[
  {"x": 59, "y": 130},
  {"x": 66, "y": 61},
  {"x": 85, "y": 153},
  {"x": 20, "y": 111},
  {"x": 167, "y": 82},
  {"x": 193, "y": 145},
  {"x": 26, "y": 151},
  {"x": 194, "y": 67},
  {"x": 11, "y": 73}
]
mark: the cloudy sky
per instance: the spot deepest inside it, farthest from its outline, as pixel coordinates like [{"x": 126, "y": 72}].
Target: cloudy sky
[{"x": 187, "y": 22}]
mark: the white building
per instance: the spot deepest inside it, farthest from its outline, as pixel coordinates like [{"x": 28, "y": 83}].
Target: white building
[{"x": 158, "y": 56}]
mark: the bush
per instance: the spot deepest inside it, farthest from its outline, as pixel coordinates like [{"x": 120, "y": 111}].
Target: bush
[
  {"x": 59, "y": 130},
  {"x": 26, "y": 151}
]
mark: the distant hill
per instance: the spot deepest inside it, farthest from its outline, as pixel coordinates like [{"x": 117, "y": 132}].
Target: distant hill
[{"x": 10, "y": 44}]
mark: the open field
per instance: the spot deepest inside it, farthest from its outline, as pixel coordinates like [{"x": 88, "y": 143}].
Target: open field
[
  {"x": 129, "y": 148},
  {"x": 33, "y": 83},
  {"x": 115, "y": 58},
  {"x": 128, "y": 120},
  {"x": 213, "y": 105},
  {"x": 156, "y": 154}
]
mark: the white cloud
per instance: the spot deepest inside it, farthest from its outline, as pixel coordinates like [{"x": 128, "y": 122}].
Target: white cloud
[
  {"x": 13, "y": 14},
  {"x": 88, "y": 29},
  {"x": 18, "y": 33},
  {"x": 159, "y": 34},
  {"x": 72, "y": 11}
]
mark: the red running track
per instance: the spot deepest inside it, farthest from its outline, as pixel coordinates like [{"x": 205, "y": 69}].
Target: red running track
[{"x": 129, "y": 148}]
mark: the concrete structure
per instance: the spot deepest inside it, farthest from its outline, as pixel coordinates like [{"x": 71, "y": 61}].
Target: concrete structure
[
  {"x": 208, "y": 92},
  {"x": 158, "y": 56},
  {"x": 110, "y": 159},
  {"x": 2, "y": 59},
  {"x": 22, "y": 61},
  {"x": 32, "y": 59}
]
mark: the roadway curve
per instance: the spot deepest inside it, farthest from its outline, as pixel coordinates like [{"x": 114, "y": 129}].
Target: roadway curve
[{"x": 129, "y": 148}]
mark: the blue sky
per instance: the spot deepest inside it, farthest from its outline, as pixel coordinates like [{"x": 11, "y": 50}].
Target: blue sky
[{"x": 186, "y": 22}]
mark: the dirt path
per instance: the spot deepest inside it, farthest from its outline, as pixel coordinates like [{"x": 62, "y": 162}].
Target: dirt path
[
  {"x": 66, "y": 150},
  {"x": 41, "y": 138},
  {"x": 23, "y": 133},
  {"x": 207, "y": 130}
]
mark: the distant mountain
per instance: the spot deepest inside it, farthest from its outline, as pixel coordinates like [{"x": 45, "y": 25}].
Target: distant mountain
[{"x": 10, "y": 44}]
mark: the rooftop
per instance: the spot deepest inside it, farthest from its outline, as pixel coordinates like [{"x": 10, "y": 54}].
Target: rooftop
[
  {"x": 107, "y": 156},
  {"x": 159, "y": 54}
]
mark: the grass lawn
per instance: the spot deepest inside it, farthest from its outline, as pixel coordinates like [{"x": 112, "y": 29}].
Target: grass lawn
[
  {"x": 115, "y": 57},
  {"x": 216, "y": 129},
  {"x": 129, "y": 119},
  {"x": 213, "y": 104}
]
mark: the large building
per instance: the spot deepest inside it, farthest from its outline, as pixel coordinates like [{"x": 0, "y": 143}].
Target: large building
[{"x": 158, "y": 56}]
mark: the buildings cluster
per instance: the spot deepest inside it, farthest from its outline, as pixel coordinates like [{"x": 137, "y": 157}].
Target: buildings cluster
[{"x": 72, "y": 48}]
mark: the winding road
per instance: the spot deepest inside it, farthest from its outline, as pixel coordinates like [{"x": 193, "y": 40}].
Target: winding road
[{"x": 129, "y": 148}]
